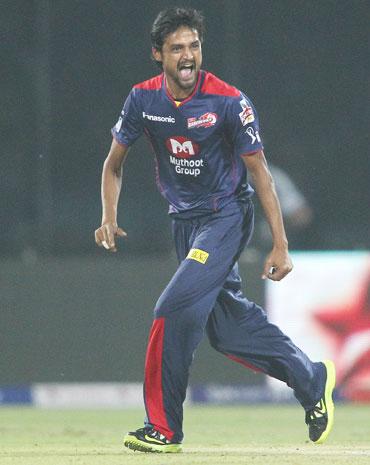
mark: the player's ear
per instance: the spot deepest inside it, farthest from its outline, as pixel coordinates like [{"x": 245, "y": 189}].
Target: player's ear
[{"x": 156, "y": 54}]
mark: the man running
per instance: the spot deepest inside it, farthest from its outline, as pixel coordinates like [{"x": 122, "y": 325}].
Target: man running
[{"x": 205, "y": 135}]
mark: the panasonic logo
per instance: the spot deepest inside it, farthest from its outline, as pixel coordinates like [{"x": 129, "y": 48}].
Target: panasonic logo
[{"x": 161, "y": 119}]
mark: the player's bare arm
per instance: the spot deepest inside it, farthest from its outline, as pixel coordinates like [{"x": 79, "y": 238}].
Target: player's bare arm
[
  {"x": 110, "y": 191},
  {"x": 278, "y": 260}
]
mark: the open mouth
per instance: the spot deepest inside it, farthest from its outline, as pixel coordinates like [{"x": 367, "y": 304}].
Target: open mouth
[{"x": 186, "y": 70}]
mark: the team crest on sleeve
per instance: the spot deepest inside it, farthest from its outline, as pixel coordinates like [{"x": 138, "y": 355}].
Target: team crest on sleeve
[
  {"x": 254, "y": 135},
  {"x": 118, "y": 125},
  {"x": 246, "y": 115},
  {"x": 204, "y": 121}
]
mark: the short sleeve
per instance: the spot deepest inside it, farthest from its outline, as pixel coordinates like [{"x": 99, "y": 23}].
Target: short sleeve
[
  {"x": 244, "y": 126},
  {"x": 129, "y": 126}
]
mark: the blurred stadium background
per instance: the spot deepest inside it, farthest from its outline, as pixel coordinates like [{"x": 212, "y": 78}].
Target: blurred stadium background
[{"x": 70, "y": 313}]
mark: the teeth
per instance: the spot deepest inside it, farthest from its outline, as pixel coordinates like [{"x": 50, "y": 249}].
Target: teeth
[{"x": 186, "y": 67}]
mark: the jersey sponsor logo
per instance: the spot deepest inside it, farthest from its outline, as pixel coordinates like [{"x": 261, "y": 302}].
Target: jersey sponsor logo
[
  {"x": 254, "y": 135},
  {"x": 198, "y": 255},
  {"x": 204, "y": 121},
  {"x": 160, "y": 119},
  {"x": 187, "y": 167},
  {"x": 182, "y": 151},
  {"x": 182, "y": 147},
  {"x": 246, "y": 115}
]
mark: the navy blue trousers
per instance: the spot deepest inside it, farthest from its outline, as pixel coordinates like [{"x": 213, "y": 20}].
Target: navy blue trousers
[{"x": 204, "y": 295}]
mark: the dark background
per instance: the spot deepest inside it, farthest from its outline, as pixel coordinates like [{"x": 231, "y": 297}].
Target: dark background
[{"x": 66, "y": 68}]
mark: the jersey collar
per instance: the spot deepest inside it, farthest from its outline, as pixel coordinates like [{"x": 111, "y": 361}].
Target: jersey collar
[{"x": 164, "y": 86}]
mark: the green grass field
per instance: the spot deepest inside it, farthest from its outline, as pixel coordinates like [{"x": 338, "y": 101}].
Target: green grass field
[{"x": 258, "y": 435}]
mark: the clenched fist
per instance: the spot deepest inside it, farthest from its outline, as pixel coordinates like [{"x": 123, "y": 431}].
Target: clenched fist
[{"x": 106, "y": 234}]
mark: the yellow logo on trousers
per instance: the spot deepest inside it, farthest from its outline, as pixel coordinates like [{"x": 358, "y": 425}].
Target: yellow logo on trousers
[{"x": 198, "y": 255}]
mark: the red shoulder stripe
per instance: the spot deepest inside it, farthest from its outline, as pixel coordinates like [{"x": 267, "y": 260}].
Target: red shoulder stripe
[
  {"x": 213, "y": 85},
  {"x": 155, "y": 83}
]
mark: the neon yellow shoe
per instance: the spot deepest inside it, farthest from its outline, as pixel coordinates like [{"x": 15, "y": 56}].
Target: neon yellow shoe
[
  {"x": 321, "y": 418},
  {"x": 149, "y": 440}
]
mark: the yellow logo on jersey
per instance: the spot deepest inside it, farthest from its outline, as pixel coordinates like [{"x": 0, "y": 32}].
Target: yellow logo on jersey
[{"x": 198, "y": 255}]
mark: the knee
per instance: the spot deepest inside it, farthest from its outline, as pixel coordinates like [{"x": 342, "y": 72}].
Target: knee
[
  {"x": 185, "y": 320},
  {"x": 167, "y": 304}
]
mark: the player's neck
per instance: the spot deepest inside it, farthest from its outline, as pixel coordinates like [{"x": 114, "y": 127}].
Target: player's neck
[{"x": 176, "y": 92}]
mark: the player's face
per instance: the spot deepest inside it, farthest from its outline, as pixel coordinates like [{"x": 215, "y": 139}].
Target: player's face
[{"x": 181, "y": 58}]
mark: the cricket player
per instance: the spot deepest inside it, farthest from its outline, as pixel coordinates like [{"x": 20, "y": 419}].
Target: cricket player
[{"x": 205, "y": 135}]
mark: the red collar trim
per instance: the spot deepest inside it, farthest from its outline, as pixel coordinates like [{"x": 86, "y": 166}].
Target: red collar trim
[{"x": 187, "y": 98}]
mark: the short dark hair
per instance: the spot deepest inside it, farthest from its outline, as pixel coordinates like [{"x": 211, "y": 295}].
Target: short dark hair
[{"x": 171, "y": 19}]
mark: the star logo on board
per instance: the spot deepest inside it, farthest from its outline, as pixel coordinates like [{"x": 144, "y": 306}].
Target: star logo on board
[{"x": 348, "y": 327}]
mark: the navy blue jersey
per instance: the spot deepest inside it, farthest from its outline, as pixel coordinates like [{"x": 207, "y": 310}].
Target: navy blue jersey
[{"x": 198, "y": 143}]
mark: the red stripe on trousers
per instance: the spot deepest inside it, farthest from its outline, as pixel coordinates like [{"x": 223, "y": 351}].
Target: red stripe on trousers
[
  {"x": 153, "y": 379},
  {"x": 243, "y": 362}
]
